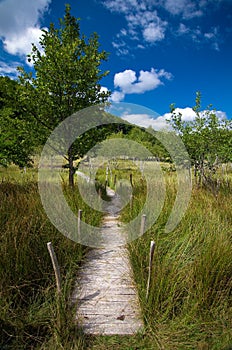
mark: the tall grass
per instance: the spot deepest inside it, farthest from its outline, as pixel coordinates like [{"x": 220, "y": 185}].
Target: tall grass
[
  {"x": 190, "y": 299},
  {"x": 189, "y": 304},
  {"x": 31, "y": 313}
]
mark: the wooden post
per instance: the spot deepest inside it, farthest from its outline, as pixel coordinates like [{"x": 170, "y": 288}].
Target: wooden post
[
  {"x": 119, "y": 186},
  {"x": 115, "y": 179},
  {"x": 131, "y": 180},
  {"x": 111, "y": 176},
  {"x": 79, "y": 222},
  {"x": 106, "y": 184},
  {"x": 55, "y": 266},
  {"x": 152, "y": 248},
  {"x": 131, "y": 201},
  {"x": 107, "y": 173},
  {"x": 143, "y": 222}
]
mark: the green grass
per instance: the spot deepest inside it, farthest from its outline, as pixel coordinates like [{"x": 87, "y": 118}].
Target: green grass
[
  {"x": 30, "y": 310},
  {"x": 190, "y": 299},
  {"x": 189, "y": 304}
]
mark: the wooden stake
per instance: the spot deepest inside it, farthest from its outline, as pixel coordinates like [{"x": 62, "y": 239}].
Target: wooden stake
[
  {"x": 152, "y": 248},
  {"x": 115, "y": 179},
  {"x": 143, "y": 222},
  {"x": 55, "y": 266},
  {"x": 131, "y": 201},
  {"x": 79, "y": 222}
]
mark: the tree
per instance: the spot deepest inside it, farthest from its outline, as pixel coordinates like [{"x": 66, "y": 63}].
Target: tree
[
  {"x": 17, "y": 141},
  {"x": 207, "y": 139},
  {"x": 147, "y": 137},
  {"x": 66, "y": 80}
]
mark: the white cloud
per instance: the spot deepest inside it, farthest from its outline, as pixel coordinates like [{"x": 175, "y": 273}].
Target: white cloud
[
  {"x": 213, "y": 37},
  {"x": 208, "y": 35},
  {"x": 160, "y": 122},
  {"x": 117, "y": 96},
  {"x": 147, "y": 21},
  {"x": 9, "y": 69},
  {"x": 145, "y": 120},
  {"x": 143, "y": 22},
  {"x": 187, "y": 113},
  {"x": 121, "y": 48},
  {"x": 216, "y": 47},
  {"x": 187, "y": 8},
  {"x": 20, "y": 24},
  {"x": 153, "y": 33},
  {"x": 104, "y": 89},
  {"x": 221, "y": 115},
  {"x": 175, "y": 6},
  {"x": 125, "y": 7},
  {"x": 183, "y": 29},
  {"x": 129, "y": 83},
  {"x": 124, "y": 79},
  {"x": 20, "y": 43}
]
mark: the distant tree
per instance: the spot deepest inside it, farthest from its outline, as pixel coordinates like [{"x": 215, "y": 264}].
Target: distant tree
[
  {"x": 147, "y": 137},
  {"x": 66, "y": 80},
  {"x": 17, "y": 141},
  {"x": 208, "y": 139}
]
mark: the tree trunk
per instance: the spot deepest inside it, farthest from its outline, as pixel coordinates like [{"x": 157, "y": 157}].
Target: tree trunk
[{"x": 71, "y": 168}]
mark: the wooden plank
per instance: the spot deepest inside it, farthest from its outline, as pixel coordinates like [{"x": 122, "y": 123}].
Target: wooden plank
[
  {"x": 112, "y": 329},
  {"x": 105, "y": 294}
]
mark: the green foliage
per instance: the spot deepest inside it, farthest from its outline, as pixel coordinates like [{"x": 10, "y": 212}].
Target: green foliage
[
  {"x": 17, "y": 141},
  {"x": 145, "y": 137},
  {"x": 208, "y": 139},
  {"x": 67, "y": 75}
]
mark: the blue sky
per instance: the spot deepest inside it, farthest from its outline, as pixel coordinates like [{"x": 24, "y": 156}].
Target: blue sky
[{"x": 160, "y": 51}]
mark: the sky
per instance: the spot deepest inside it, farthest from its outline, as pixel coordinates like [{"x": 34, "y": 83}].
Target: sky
[{"x": 160, "y": 51}]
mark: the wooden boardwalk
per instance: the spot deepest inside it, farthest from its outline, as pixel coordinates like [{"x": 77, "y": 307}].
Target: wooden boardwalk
[{"x": 105, "y": 294}]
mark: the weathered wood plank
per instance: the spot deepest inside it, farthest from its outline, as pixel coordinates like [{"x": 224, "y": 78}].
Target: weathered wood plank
[{"x": 105, "y": 294}]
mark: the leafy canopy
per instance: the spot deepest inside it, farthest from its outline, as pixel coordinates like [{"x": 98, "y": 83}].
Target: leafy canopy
[
  {"x": 67, "y": 79},
  {"x": 17, "y": 140},
  {"x": 67, "y": 73},
  {"x": 208, "y": 138}
]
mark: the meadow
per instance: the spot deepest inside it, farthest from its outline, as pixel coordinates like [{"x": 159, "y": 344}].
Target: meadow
[{"x": 190, "y": 301}]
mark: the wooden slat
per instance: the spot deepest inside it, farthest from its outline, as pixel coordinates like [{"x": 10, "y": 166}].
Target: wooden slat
[{"x": 105, "y": 294}]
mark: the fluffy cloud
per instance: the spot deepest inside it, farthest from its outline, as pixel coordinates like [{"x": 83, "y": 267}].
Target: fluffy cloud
[
  {"x": 20, "y": 24},
  {"x": 117, "y": 96},
  {"x": 183, "y": 29},
  {"x": 104, "y": 89},
  {"x": 20, "y": 43},
  {"x": 146, "y": 24},
  {"x": 128, "y": 83},
  {"x": 213, "y": 37},
  {"x": 9, "y": 69},
  {"x": 153, "y": 33},
  {"x": 143, "y": 22},
  {"x": 187, "y": 114},
  {"x": 145, "y": 120},
  {"x": 187, "y": 8},
  {"x": 147, "y": 21},
  {"x": 160, "y": 122}
]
